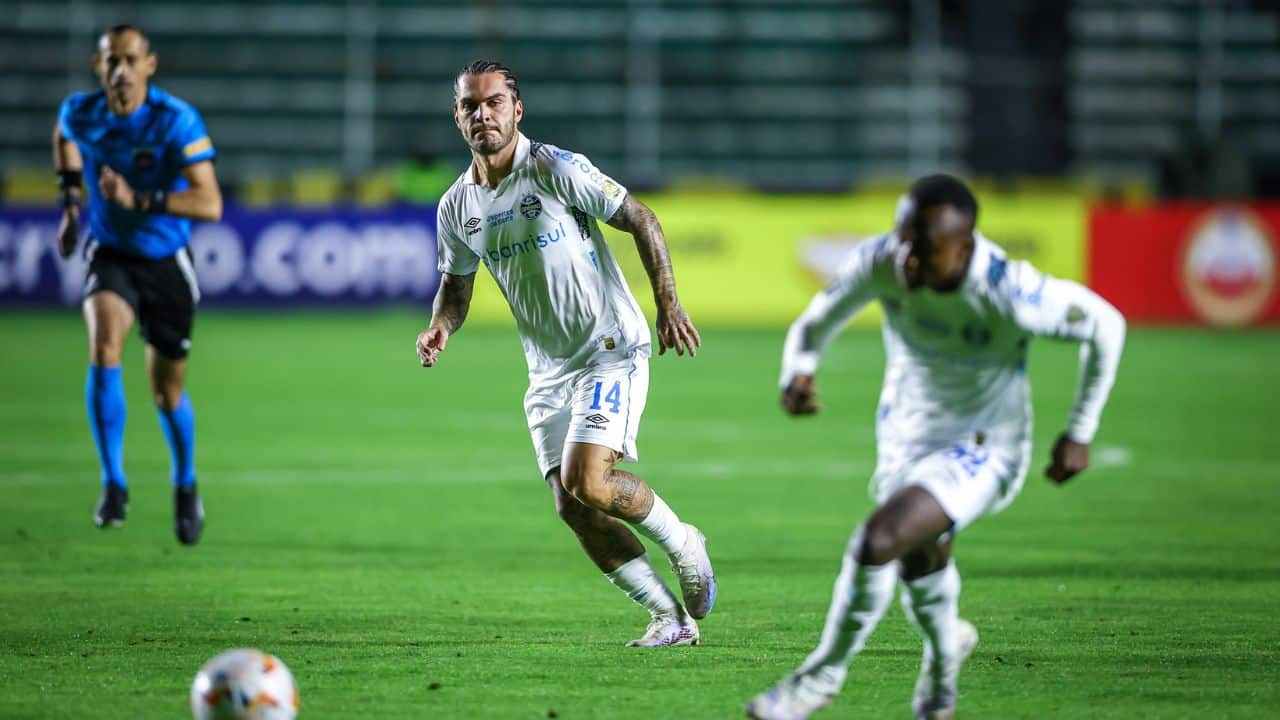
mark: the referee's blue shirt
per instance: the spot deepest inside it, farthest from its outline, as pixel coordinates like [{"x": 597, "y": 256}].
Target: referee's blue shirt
[{"x": 149, "y": 148}]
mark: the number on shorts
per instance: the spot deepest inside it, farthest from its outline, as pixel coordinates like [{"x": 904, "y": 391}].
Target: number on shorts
[
  {"x": 613, "y": 397},
  {"x": 971, "y": 459}
]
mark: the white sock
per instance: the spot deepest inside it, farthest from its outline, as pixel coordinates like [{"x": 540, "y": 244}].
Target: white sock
[
  {"x": 663, "y": 527},
  {"x": 641, "y": 582},
  {"x": 861, "y": 595},
  {"x": 932, "y": 603}
]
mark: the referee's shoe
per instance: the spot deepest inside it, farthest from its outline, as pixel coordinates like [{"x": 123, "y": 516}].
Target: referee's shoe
[
  {"x": 188, "y": 514},
  {"x": 111, "y": 506}
]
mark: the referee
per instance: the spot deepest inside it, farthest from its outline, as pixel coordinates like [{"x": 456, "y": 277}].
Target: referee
[{"x": 147, "y": 163}]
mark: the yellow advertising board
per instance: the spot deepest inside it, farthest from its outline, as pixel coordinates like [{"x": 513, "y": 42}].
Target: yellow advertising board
[{"x": 748, "y": 259}]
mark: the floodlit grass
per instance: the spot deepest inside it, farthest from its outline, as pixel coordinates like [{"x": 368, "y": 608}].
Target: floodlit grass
[{"x": 382, "y": 527}]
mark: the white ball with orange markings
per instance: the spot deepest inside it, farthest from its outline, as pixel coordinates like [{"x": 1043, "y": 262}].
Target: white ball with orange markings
[{"x": 244, "y": 685}]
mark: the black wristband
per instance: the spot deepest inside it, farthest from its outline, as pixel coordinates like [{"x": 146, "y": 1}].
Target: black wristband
[
  {"x": 68, "y": 179},
  {"x": 153, "y": 201},
  {"x": 69, "y": 187}
]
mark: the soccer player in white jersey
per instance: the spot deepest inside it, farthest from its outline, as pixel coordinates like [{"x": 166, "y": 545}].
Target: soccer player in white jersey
[
  {"x": 528, "y": 212},
  {"x": 953, "y": 427}
]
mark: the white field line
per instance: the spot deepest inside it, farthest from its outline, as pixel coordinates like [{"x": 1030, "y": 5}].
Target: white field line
[
  {"x": 1104, "y": 458},
  {"x": 1109, "y": 456}
]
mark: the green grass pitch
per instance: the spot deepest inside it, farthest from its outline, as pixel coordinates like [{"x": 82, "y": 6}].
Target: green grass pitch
[{"x": 383, "y": 529}]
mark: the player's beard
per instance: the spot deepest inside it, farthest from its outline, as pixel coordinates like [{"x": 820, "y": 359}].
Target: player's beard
[{"x": 484, "y": 143}]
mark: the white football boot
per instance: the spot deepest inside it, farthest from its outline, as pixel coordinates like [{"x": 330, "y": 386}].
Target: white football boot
[
  {"x": 795, "y": 697},
  {"x": 935, "y": 695},
  {"x": 692, "y": 566},
  {"x": 669, "y": 631}
]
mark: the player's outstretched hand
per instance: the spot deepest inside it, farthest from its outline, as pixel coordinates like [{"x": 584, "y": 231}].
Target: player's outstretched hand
[
  {"x": 115, "y": 188},
  {"x": 1070, "y": 458},
  {"x": 676, "y": 331},
  {"x": 68, "y": 231},
  {"x": 430, "y": 344},
  {"x": 800, "y": 397}
]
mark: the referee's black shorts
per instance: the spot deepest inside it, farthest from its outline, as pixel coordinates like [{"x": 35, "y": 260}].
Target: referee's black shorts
[{"x": 163, "y": 293}]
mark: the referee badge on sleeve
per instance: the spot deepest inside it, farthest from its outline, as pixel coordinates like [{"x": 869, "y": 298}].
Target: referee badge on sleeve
[{"x": 195, "y": 147}]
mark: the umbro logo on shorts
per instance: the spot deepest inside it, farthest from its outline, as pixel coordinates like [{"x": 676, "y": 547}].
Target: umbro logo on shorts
[
  {"x": 472, "y": 225},
  {"x": 597, "y": 419}
]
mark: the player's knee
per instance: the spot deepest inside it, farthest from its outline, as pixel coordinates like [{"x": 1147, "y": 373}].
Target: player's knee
[
  {"x": 105, "y": 351},
  {"x": 167, "y": 399},
  {"x": 580, "y": 518},
  {"x": 924, "y": 560},
  {"x": 568, "y": 508},
  {"x": 573, "y": 481},
  {"x": 582, "y": 483},
  {"x": 877, "y": 544},
  {"x": 584, "y": 476},
  {"x": 166, "y": 391}
]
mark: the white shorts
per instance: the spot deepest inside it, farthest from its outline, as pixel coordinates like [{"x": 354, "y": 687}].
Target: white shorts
[
  {"x": 600, "y": 405},
  {"x": 968, "y": 479}
]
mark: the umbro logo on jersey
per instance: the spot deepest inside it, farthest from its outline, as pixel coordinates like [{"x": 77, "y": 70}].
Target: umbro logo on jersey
[
  {"x": 597, "y": 419},
  {"x": 472, "y": 225}
]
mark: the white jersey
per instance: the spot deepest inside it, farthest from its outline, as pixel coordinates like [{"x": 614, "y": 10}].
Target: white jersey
[
  {"x": 956, "y": 362},
  {"x": 537, "y": 234}
]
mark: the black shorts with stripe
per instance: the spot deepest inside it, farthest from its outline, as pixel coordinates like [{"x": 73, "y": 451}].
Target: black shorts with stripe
[{"x": 163, "y": 293}]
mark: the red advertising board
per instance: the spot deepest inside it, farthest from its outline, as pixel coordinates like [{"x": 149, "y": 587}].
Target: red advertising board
[{"x": 1188, "y": 262}]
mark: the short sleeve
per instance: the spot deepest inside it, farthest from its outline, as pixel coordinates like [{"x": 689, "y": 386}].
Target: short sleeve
[
  {"x": 578, "y": 183},
  {"x": 455, "y": 256},
  {"x": 66, "y": 117},
  {"x": 191, "y": 137}
]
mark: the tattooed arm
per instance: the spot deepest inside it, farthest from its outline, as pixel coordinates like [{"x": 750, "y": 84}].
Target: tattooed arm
[
  {"x": 675, "y": 330},
  {"x": 449, "y": 310}
]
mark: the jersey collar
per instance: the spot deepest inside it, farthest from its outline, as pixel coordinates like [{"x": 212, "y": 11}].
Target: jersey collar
[
  {"x": 521, "y": 157},
  {"x": 979, "y": 262}
]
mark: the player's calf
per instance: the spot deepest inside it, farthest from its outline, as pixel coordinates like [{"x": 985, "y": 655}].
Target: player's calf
[
  {"x": 606, "y": 541},
  {"x": 936, "y": 689},
  {"x": 589, "y": 475}
]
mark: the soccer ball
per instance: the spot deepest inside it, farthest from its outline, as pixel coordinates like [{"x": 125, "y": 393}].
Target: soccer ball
[{"x": 244, "y": 685}]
